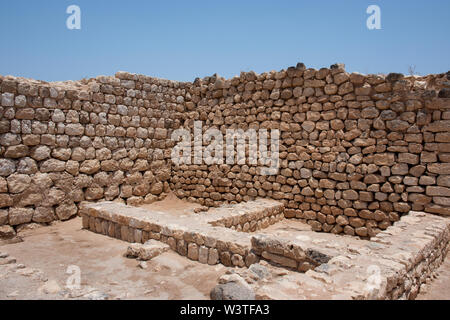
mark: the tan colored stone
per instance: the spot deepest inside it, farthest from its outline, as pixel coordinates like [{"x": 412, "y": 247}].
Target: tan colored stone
[
  {"x": 439, "y": 168},
  {"x": 5, "y": 200},
  {"x": 438, "y": 191},
  {"x": 20, "y": 215},
  {"x": 90, "y": 166},
  {"x": 18, "y": 183},
  {"x": 66, "y": 210},
  {"x": 384, "y": 159}
]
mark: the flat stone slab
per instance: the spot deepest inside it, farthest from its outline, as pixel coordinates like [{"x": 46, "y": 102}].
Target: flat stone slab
[{"x": 146, "y": 251}]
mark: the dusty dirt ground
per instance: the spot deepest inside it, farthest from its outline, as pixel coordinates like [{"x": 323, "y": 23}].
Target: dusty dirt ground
[
  {"x": 173, "y": 206},
  {"x": 43, "y": 258}
]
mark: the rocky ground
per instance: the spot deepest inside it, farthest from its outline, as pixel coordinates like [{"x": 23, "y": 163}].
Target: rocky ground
[{"x": 48, "y": 259}]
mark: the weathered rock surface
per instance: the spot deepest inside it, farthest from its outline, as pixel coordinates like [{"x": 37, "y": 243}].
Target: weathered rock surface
[{"x": 147, "y": 251}]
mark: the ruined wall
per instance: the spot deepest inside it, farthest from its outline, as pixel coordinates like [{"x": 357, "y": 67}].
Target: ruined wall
[
  {"x": 356, "y": 151},
  {"x": 64, "y": 143}
]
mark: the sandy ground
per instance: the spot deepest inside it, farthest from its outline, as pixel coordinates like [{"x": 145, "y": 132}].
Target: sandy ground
[
  {"x": 42, "y": 261},
  {"x": 173, "y": 206}
]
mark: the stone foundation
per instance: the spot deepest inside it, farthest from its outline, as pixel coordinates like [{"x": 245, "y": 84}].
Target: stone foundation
[
  {"x": 198, "y": 236},
  {"x": 392, "y": 265},
  {"x": 247, "y": 216}
]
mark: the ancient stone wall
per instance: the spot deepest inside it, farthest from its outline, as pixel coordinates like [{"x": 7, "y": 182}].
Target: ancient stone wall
[
  {"x": 64, "y": 143},
  {"x": 356, "y": 151}
]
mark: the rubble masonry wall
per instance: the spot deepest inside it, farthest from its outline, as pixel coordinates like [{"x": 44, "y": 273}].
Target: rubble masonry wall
[{"x": 356, "y": 152}]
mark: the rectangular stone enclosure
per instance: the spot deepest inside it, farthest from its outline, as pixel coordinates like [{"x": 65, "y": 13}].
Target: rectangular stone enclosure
[{"x": 403, "y": 255}]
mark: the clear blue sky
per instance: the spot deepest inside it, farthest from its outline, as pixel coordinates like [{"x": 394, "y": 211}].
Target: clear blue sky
[{"x": 182, "y": 40}]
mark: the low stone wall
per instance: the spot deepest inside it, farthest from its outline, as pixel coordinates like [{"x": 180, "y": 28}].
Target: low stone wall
[
  {"x": 392, "y": 265},
  {"x": 289, "y": 254},
  {"x": 194, "y": 235},
  {"x": 247, "y": 216},
  {"x": 417, "y": 246}
]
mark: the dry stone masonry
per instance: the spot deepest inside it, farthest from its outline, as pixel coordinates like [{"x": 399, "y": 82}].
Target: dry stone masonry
[
  {"x": 64, "y": 143},
  {"x": 356, "y": 151},
  {"x": 392, "y": 265},
  {"x": 208, "y": 237}
]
